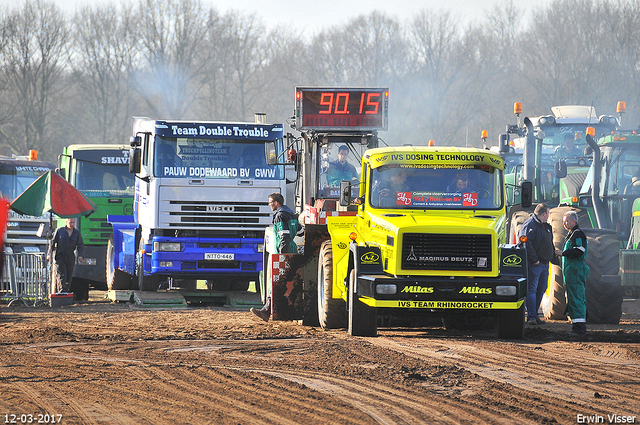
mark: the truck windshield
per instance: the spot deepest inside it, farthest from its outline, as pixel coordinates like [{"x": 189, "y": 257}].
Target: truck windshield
[
  {"x": 15, "y": 179},
  {"x": 93, "y": 178},
  {"x": 420, "y": 186},
  {"x": 213, "y": 159}
]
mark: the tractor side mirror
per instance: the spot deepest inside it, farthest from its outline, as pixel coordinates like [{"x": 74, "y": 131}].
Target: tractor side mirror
[
  {"x": 526, "y": 194},
  {"x": 560, "y": 169},
  {"x": 345, "y": 193},
  {"x": 134, "y": 160}
]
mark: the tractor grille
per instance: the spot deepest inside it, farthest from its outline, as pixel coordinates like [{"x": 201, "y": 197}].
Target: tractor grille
[{"x": 428, "y": 251}]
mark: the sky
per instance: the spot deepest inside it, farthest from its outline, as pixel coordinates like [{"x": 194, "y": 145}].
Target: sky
[{"x": 311, "y": 16}]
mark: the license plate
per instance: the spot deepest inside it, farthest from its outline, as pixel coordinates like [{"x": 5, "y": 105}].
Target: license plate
[{"x": 219, "y": 256}]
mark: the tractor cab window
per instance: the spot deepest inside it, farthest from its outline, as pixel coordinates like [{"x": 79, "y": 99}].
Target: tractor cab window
[{"x": 338, "y": 162}]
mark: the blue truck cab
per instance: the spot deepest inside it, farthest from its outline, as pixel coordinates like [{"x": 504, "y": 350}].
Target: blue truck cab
[{"x": 200, "y": 205}]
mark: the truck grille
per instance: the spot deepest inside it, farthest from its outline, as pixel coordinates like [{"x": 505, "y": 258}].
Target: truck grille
[
  {"x": 204, "y": 215},
  {"x": 426, "y": 251}
]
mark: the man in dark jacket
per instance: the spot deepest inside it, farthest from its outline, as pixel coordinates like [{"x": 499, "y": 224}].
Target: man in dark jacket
[
  {"x": 540, "y": 251},
  {"x": 574, "y": 272},
  {"x": 285, "y": 226},
  {"x": 65, "y": 242}
]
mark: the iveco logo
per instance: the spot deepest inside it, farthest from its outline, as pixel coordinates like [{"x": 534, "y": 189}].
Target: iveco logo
[
  {"x": 370, "y": 258},
  {"x": 512, "y": 260},
  {"x": 220, "y": 208}
]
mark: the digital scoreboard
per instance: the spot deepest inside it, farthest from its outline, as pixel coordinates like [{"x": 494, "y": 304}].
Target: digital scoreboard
[{"x": 342, "y": 108}]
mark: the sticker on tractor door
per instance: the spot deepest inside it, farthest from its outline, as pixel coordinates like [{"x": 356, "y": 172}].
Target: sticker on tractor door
[
  {"x": 370, "y": 258},
  {"x": 219, "y": 256}
]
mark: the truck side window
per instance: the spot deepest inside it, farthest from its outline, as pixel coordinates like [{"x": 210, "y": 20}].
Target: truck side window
[{"x": 145, "y": 150}]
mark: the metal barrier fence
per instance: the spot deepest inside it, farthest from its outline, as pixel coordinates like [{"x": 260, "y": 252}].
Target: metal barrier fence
[{"x": 25, "y": 278}]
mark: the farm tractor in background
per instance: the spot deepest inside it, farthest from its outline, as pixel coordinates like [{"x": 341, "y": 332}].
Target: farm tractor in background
[{"x": 563, "y": 181}]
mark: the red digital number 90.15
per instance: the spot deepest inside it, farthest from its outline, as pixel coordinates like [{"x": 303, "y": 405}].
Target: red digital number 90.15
[{"x": 338, "y": 103}]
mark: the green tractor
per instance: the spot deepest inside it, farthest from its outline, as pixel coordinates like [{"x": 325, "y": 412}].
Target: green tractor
[
  {"x": 558, "y": 161},
  {"x": 609, "y": 201}
]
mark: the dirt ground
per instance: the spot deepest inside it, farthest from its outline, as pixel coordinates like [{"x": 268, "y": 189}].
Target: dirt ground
[{"x": 99, "y": 362}]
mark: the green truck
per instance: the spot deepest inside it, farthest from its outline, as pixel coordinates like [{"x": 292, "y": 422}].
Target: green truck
[{"x": 101, "y": 173}]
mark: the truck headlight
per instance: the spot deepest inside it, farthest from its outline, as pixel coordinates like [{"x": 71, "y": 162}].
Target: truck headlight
[
  {"x": 167, "y": 246},
  {"x": 387, "y": 289},
  {"x": 166, "y": 263},
  {"x": 260, "y": 247},
  {"x": 505, "y": 290}
]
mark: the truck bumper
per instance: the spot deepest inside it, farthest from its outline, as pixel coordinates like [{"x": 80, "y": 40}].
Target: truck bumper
[
  {"x": 503, "y": 293},
  {"x": 204, "y": 257}
]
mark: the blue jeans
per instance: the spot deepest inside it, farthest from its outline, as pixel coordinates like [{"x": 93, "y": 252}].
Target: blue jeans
[{"x": 536, "y": 287}]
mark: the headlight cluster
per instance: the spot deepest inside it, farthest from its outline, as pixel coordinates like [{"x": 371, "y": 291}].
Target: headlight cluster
[{"x": 167, "y": 246}]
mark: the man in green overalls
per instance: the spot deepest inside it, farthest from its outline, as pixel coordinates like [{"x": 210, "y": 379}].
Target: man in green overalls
[
  {"x": 285, "y": 226},
  {"x": 574, "y": 272}
]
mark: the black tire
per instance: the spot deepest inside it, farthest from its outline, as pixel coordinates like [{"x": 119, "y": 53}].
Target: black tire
[
  {"x": 362, "y": 318},
  {"x": 145, "y": 283},
  {"x": 510, "y": 324},
  {"x": 603, "y": 291},
  {"x": 517, "y": 220},
  {"x": 332, "y": 313},
  {"x": 116, "y": 279}
]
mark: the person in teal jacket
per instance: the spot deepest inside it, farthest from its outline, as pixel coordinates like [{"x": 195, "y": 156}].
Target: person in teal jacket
[
  {"x": 285, "y": 226},
  {"x": 575, "y": 271}
]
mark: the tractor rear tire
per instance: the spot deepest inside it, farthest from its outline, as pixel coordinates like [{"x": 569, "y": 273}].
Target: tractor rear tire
[
  {"x": 554, "y": 301},
  {"x": 517, "y": 220},
  {"x": 145, "y": 283},
  {"x": 116, "y": 279},
  {"x": 603, "y": 291},
  {"x": 362, "y": 318},
  {"x": 332, "y": 313}
]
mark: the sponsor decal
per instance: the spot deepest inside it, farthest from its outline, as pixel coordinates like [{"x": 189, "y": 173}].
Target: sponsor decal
[
  {"x": 512, "y": 260},
  {"x": 404, "y": 198},
  {"x": 470, "y": 305},
  {"x": 370, "y": 258},
  {"x": 416, "y": 289},
  {"x": 469, "y": 199},
  {"x": 475, "y": 290},
  {"x": 342, "y": 245},
  {"x": 218, "y": 130}
]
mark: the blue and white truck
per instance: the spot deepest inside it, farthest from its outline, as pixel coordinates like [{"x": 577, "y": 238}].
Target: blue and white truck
[{"x": 200, "y": 205}]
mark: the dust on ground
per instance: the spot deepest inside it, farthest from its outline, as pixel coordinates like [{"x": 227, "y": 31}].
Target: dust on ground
[{"x": 100, "y": 362}]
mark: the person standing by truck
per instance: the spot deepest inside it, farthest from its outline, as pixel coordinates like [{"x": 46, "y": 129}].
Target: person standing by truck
[
  {"x": 574, "y": 272},
  {"x": 285, "y": 226},
  {"x": 540, "y": 251},
  {"x": 65, "y": 242}
]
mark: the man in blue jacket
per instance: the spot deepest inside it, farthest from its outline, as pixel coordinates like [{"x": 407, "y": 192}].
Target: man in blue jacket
[
  {"x": 285, "y": 226},
  {"x": 540, "y": 251}
]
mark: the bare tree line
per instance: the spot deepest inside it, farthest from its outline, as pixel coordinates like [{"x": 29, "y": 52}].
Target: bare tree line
[{"x": 80, "y": 79}]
